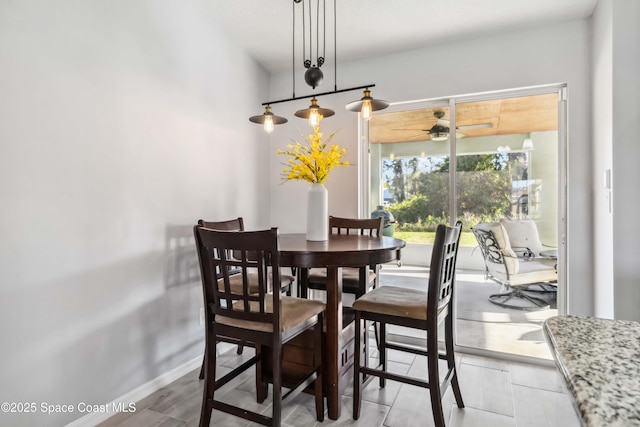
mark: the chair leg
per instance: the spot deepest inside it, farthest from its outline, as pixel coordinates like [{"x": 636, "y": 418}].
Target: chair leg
[
  {"x": 262, "y": 388},
  {"x": 375, "y": 333},
  {"x": 364, "y": 348},
  {"x": 383, "y": 351},
  {"x": 319, "y": 351},
  {"x": 451, "y": 361},
  {"x": 276, "y": 368},
  {"x": 434, "y": 378},
  {"x": 209, "y": 386},
  {"x": 204, "y": 360},
  {"x": 357, "y": 383}
]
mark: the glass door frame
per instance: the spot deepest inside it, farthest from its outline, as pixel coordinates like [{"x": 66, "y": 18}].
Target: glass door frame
[{"x": 364, "y": 160}]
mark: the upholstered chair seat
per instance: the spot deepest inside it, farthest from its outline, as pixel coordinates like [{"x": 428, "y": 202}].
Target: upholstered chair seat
[
  {"x": 394, "y": 301},
  {"x": 294, "y": 311}
]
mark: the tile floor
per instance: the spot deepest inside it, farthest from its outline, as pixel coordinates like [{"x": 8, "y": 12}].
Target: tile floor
[{"x": 496, "y": 393}]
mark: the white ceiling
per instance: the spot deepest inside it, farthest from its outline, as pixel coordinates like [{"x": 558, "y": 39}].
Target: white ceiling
[{"x": 373, "y": 27}]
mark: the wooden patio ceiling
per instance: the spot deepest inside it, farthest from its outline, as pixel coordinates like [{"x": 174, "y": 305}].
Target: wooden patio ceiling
[{"x": 507, "y": 116}]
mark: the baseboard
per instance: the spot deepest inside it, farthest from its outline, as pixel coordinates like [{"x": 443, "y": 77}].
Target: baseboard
[{"x": 94, "y": 418}]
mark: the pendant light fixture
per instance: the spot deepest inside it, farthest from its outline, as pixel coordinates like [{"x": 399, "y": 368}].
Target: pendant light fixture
[
  {"x": 314, "y": 76},
  {"x": 314, "y": 113},
  {"x": 367, "y": 105},
  {"x": 268, "y": 119}
]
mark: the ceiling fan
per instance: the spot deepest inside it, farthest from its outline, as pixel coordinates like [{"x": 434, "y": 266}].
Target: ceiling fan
[{"x": 440, "y": 130}]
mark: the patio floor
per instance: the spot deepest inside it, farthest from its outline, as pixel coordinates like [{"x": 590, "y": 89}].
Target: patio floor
[{"x": 481, "y": 324}]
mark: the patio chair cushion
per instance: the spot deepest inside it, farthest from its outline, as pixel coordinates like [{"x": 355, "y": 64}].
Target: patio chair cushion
[
  {"x": 509, "y": 256},
  {"x": 501, "y": 236},
  {"x": 523, "y": 233},
  {"x": 528, "y": 272}
]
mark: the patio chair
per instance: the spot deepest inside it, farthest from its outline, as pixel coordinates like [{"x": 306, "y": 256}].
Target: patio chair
[{"x": 511, "y": 251}]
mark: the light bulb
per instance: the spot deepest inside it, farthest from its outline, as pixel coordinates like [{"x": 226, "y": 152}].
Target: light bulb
[
  {"x": 366, "y": 111},
  {"x": 314, "y": 117},
  {"x": 392, "y": 156},
  {"x": 268, "y": 124}
]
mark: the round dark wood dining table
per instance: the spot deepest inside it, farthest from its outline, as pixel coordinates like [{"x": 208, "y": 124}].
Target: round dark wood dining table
[{"x": 338, "y": 251}]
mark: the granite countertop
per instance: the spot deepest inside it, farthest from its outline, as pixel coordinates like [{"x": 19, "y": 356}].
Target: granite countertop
[{"x": 600, "y": 362}]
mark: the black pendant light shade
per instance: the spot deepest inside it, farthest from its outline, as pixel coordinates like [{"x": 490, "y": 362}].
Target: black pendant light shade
[
  {"x": 268, "y": 119},
  {"x": 314, "y": 113},
  {"x": 367, "y": 105}
]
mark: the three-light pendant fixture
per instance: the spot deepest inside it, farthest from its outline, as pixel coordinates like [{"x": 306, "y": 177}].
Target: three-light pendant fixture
[{"x": 314, "y": 76}]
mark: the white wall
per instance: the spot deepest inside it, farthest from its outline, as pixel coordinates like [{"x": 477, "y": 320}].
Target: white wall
[
  {"x": 626, "y": 154},
  {"x": 602, "y": 124},
  {"x": 121, "y": 124},
  {"x": 616, "y": 126},
  {"x": 554, "y": 54}
]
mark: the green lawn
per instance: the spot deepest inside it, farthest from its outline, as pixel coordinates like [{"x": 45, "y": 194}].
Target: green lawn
[{"x": 426, "y": 237}]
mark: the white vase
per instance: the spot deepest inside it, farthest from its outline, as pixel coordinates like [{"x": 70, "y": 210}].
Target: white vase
[{"x": 318, "y": 213}]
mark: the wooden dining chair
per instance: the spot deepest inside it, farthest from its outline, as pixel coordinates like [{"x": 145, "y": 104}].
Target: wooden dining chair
[
  {"x": 267, "y": 320},
  {"x": 424, "y": 310},
  {"x": 237, "y": 224},
  {"x": 355, "y": 280}
]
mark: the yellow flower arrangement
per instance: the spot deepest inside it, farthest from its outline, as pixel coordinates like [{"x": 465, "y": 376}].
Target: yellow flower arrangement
[{"x": 312, "y": 162}]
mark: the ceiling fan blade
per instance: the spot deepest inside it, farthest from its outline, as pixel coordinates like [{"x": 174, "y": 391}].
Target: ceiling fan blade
[
  {"x": 476, "y": 126},
  {"x": 423, "y": 135},
  {"x": 446, "y": 123}
]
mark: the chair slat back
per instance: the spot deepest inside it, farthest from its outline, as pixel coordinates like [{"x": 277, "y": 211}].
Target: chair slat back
[
  {"x": 227, "y": 254},
  {"x": 236, "y": 224},
  {"x": 368, "y": 227},
  {"x": 442, "y": 271}
]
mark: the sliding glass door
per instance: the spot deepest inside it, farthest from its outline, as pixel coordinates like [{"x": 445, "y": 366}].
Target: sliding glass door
[{"x": 476, "y": 159}]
